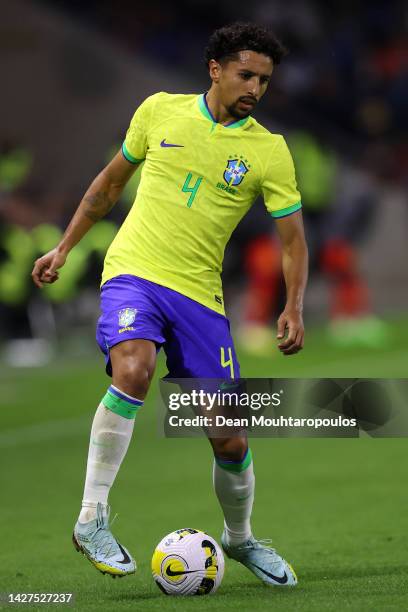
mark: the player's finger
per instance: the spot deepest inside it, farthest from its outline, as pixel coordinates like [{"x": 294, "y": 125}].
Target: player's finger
[
  {"x": 291, "y": 338},
  {"x": 299, "y": 338},
  {"x": 292, "y": 344},
  {"x": 49, "y": 277},
  {"x": 54, "y": 278},
  {"x": 53, "y": 267},
  {"x": 281, "y": 328},
  {"x": 292, "y": 350},
  {"x": 297, "y": 344},
  {"x": 36, "y": 281},
  {"x": 37, "y": 273},
  {"x": 49, "y": 273}
]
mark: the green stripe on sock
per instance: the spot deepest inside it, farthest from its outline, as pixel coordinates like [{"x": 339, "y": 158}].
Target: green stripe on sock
[
  {"x": 120, "y": 406},
  {"x": 235, "y": 467}
]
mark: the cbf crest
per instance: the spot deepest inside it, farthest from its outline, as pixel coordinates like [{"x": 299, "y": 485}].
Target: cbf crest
[
  {"x": 127, "y": 316},
  {"x": 236, "y": 169}
]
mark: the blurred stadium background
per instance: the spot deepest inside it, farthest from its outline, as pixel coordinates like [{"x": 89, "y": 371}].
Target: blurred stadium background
[
  {"x": 75, "y": 72},
  {"x": 72, "y": 74}
]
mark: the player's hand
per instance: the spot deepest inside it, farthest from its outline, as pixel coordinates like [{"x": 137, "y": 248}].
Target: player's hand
[
  {"x": 291, "y": 331},
  {"x": 46, "y": 267}
]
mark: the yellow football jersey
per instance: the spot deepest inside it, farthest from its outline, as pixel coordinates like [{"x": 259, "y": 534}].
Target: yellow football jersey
[{"x": 198, "y": 181}]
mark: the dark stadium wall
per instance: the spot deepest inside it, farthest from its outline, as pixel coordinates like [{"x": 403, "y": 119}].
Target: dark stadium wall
[{"x": 69, "y": 93}]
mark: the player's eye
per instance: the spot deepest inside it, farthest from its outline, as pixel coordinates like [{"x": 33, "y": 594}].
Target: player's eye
[{"x": 245, "y": 75}]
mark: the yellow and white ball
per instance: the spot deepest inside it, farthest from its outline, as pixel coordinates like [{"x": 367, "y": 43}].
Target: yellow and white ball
[{"x": 188, "y": 562}]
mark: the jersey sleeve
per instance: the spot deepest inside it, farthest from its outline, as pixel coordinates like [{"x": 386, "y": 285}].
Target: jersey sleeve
[
  {"x": 135, "y": 145},
  {"x": 279, "y": 187}
]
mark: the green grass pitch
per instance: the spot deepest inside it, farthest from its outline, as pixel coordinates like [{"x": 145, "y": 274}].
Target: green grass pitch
[{"x": 336, "y": 509}]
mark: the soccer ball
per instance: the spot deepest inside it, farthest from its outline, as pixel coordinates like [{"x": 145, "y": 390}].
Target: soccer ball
[{"x": 188, "y": 562}]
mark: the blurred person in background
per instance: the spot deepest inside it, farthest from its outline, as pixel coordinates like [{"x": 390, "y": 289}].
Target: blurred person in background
[
  {"x": 16, "y": 212},
  {"x": 30, "y": 219}
]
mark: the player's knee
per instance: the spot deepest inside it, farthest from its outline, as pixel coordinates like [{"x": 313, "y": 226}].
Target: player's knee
[
  {"x": 135, "y": 374},
  {"x": 231, "y": 449},
  {"x": 133, "y": 364},
  {"x": 132, "y": 375}
]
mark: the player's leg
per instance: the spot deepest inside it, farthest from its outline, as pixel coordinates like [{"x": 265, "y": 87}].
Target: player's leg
[
  {"x": 234, "y": 485},
  {"x": 128, "y": 317},
  {"x": 194, "y": 353},
  {"x": 133, "y": 364}
]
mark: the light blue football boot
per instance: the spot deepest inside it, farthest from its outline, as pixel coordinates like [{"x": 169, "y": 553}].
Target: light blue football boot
[
  {"x": 262, "y": 560},
  {"x": 95, "y": 540}
]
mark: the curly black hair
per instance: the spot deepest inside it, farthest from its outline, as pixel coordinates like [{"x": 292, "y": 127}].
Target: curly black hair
[{"x": 225, "y": 42}]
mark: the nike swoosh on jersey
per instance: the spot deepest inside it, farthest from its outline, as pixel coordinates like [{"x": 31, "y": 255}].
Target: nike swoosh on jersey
[
  {"x": 169, "y": 144},
  {"x": 281, "y": 579},
  {"x": 170, "y": 572}
]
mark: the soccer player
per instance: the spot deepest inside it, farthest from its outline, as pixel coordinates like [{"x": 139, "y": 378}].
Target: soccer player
[{"x": 206, "y": 160}]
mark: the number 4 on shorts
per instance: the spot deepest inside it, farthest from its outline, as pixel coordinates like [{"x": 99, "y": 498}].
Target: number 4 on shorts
[{"x": 230, "y": 362}]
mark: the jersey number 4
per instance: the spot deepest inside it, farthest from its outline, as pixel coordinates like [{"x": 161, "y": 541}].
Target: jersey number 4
[{"x": 191, "y": 190}]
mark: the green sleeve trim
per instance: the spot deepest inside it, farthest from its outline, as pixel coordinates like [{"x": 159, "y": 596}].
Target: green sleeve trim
[
  {"x": 236, "y": 467},
  {"x": 129, "y": 157},
  {"x": 120, "y": 406},
  {"x": 284, "y": 212}
]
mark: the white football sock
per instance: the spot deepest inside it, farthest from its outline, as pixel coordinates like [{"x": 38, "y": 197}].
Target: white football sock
[
  {"x": 110, "y": 437},
  {"x": 235, "y": 492}
]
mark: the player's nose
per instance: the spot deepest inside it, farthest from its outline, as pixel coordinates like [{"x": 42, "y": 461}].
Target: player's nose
[{"x": 254, "y": 87}]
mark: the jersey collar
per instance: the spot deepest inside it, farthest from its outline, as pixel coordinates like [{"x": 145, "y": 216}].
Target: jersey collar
[{"x": 203, "y": 106}]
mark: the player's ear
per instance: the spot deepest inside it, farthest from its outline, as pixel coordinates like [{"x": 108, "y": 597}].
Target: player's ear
[{"x": 214, "y": 69}]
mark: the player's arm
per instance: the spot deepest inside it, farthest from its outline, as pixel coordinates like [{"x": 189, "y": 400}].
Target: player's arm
[
  {"x": 295, "y": 268},
  {"x": 97, "y": 202}
]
